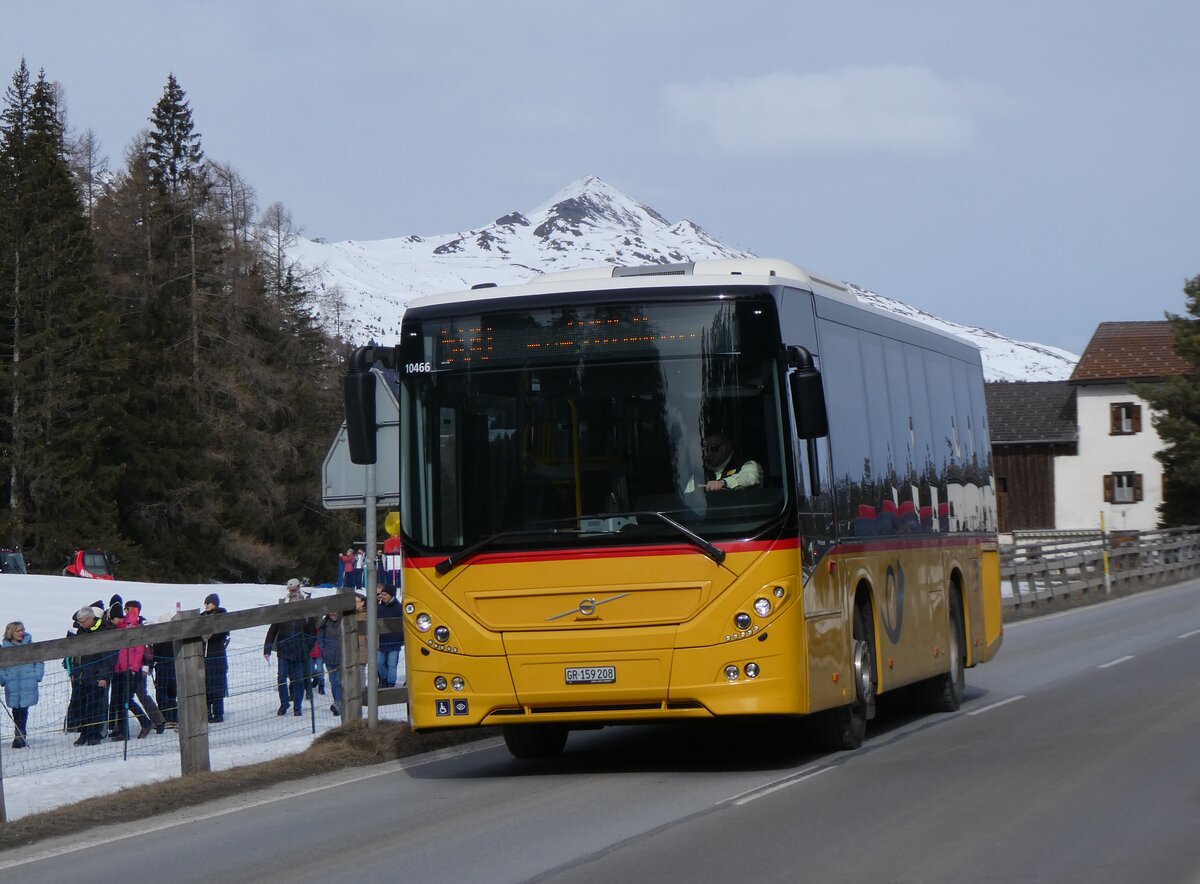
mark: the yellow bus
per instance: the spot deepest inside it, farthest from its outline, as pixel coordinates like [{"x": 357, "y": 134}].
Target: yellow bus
[{"x": 727, "y": 488}]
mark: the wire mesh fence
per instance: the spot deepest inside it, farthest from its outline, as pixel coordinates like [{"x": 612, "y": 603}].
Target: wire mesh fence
[{"x": 56, "y": 734}]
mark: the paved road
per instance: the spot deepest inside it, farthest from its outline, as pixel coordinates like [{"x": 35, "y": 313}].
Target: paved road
[{"x": 1076, "y": 757}]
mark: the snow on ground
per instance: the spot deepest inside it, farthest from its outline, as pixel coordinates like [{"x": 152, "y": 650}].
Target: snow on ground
[{"x": 53, "y": 772}]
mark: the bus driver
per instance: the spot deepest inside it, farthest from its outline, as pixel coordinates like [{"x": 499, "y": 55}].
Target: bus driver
[{"x": 724, "y": 467}]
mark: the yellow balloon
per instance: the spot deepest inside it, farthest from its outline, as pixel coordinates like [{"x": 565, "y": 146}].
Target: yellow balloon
[{"x": 391, "y": 524}]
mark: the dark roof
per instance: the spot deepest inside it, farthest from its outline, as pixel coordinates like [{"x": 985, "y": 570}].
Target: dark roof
[
  {"x": 1127, "y": 351},
  {"x": 1031, "y": 411}
]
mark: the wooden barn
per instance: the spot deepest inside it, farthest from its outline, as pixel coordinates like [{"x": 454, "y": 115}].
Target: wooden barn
[{"x": 1032, "y": 423}]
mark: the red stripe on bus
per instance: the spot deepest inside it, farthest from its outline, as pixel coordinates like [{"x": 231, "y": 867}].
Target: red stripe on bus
[
  {"x": 608, "y": 552},
  {"x": 676, "y": 549}
]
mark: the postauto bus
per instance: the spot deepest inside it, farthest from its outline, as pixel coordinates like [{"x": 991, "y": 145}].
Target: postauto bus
[{"x": 567, "y": 564}]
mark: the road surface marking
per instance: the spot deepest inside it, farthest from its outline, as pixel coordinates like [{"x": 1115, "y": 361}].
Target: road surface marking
[
  {"x": 997, "y": 705},
  {"x": 1190, "y": 634},
  {"x": 1115, "y": 662},
  {"x": 761, "y": 791}
]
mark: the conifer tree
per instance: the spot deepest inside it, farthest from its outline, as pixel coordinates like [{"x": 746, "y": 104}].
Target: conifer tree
[
  {"x": 151, "y": 233},
  {"x": 62, "y": 357},
  {"x": 1176, "y": 404}
]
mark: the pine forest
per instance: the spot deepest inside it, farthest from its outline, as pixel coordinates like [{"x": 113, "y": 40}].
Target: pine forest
[{"x": 166, "y": 392}]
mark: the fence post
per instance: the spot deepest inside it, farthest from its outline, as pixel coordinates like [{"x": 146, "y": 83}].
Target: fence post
[
  {"x": 1104, "y": 551},
  {"x": 3, "y": 813},
  {"x": 193, "y": 704},
  {"x": 351, "y": 707}
]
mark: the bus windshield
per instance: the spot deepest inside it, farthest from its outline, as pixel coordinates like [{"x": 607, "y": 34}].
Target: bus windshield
[{"x": 589, "y": 423}]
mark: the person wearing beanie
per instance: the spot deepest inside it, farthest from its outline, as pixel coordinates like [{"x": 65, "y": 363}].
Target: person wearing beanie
[
  {"x": 216, "y": 663},
  {"x": 129, "y": 683}
]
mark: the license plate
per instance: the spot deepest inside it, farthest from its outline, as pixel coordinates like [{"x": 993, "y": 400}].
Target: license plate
[{"x": 591, "y": 675}]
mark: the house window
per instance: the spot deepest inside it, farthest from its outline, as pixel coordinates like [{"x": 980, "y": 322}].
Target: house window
[
  {"x": 1125, "y": 418},
  {"x": 1122, "y": 487}
]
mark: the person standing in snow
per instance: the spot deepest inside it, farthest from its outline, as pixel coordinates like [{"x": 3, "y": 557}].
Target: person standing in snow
[
  {"x": 20, "y": 683},
  {"x": 216, "y": 663},
  {"x": 129, "y": 683},
  {"x": 166, "y": 683},
  {"x": 292, "y": 641},
  {"x": 329, "y": 641},
  {"x": 94, "y": 673},
  {"x": 390, "y": 643}
]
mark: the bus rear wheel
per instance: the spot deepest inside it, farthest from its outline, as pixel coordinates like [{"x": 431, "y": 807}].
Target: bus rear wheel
[
  {"x": 944, "y": 693},
  {"x": 534, "y": 740}
]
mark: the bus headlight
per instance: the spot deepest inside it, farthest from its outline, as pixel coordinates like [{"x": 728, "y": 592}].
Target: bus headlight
[
  {"x": 762, "y": 607},
  {"x": 442, "y": 634},
  {"x": 424, "y": 621},
  {"x": 741, "y": 620}
]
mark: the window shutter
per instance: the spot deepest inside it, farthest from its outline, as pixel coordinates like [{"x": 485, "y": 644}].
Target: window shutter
[
  {"x": 1137, "y": 486},
  {"x": 1109, "y": 484},
  {"x": 1114, "y": 419},
  {"x": 1136, "y": 419}
]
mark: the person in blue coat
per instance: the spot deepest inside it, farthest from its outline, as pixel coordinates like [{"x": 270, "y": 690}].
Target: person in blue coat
[
  {"x": 390, "y": 643},
  {"x": 20, "y": 683}
]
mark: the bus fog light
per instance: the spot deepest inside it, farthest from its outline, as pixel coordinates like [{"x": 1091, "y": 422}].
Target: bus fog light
[
  {"x": 741, "y": 620},
  {"x": 751, "y": 670},
  {"x": 440, "y": 682},
  {"x": 424, "y": 621},
  {"x": 762, "y": 607},
  {"x": 731, "y": 672},
  {"x": 442, "y": 634},
  {"x": 458, "y": 683}
]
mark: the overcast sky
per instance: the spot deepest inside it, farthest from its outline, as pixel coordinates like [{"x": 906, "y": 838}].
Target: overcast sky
[{"x": 1027, "y": 166}]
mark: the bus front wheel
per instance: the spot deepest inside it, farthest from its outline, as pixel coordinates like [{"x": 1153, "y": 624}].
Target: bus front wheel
[
  {"x": 534, "y": 740},
  {"x": 845, "y": 727}
]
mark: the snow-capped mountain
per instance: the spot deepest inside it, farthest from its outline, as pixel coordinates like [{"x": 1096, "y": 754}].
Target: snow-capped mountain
[{"x": 363, "y": 286}]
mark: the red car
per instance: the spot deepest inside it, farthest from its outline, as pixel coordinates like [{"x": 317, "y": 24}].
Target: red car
[{"x": 93, "y": 563}]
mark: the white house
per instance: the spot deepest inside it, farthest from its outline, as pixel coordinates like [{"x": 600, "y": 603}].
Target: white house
[{"x": 1114, "y": 471}]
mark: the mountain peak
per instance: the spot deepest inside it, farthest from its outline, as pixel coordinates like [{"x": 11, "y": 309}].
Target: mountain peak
[{"x": 363, "y": 286}]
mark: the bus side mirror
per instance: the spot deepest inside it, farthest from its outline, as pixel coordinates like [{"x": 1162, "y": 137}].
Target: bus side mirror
[
  {"x": 359, "y": 390},
  {"x": 808, "y": 395}
]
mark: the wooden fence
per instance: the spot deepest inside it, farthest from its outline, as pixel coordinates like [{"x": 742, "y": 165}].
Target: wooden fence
[{"x": 1076, "y": 566}]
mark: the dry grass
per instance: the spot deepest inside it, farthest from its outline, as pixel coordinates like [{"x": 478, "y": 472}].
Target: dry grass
[{"x": 352, "y": 745}]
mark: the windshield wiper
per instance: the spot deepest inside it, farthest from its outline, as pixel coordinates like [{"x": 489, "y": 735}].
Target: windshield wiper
[
  {"x": 452, "y": 561},
  {"x": 712, "y": 551}
]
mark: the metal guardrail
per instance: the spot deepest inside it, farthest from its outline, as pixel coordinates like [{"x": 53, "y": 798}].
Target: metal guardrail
[{"x": 1038, "y": 568}]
